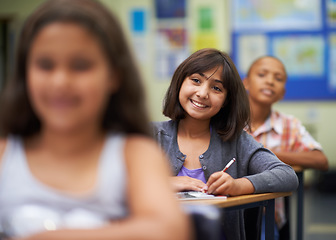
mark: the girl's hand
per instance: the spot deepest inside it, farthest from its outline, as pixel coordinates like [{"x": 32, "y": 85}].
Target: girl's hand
[
  {"x": 184, "y": 183},
  {"x": 221, "y": 183}
]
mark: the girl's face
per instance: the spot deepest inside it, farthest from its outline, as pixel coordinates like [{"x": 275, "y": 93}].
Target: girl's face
[
  {"x": 202, "y": 95},
  {"x": 68, "y": 78}
]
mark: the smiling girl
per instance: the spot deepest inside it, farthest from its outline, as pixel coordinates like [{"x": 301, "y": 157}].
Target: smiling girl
[{"x": 209, "y": 108}]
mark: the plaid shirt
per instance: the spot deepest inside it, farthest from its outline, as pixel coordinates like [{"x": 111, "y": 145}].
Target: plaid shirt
[
  {"x": 285, "y": 133},
  {"x": 281, "y": 132}
]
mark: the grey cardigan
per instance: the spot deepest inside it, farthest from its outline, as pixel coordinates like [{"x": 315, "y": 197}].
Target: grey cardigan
[{"x": 258, "y": 164}]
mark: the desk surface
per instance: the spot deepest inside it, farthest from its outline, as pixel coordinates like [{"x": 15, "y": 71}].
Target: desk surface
[{"x": 239, "y": 200}]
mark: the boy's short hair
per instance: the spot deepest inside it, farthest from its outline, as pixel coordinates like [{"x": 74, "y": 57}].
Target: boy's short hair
[{"x": 262, "y": 57}]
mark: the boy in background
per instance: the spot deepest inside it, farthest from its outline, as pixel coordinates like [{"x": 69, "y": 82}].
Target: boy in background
[{"x": 283, "y": 134}]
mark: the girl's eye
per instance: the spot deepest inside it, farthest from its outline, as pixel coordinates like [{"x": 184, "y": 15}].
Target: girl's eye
[
  {"x": 261, "y": 74},
  {"x": 217, "y": 88},
  {"x": 81, "y": 65},
  {"x": 195, "y": 80},
  {"x": 45, "y": 64}
]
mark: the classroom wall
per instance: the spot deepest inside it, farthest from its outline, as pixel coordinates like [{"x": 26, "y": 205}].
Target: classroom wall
[
  {"x": 155, "y": 87},
  {"x": 318, "y": 117}
]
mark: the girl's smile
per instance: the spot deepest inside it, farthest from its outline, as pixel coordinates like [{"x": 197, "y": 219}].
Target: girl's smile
[
  {"x": 198, "y": 104},
  {"x": 63, "y": 103}
]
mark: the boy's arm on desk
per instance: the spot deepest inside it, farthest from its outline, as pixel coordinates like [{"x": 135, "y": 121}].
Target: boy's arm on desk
[{"x": 308, "y": 159}]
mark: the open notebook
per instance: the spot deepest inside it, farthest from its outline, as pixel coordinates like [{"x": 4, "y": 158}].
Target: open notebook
[{"x": 193, "y": 195}]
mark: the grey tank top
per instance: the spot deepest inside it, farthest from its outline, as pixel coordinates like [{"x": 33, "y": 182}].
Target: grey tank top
[{"x": 28, "y": 206}]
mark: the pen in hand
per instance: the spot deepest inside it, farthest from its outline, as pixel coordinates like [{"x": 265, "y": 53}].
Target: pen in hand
[
  {"x": 229, "y": 164},
  {"x": 205, "y": 189}
]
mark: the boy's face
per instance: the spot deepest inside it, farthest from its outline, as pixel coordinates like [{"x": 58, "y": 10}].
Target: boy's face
[{"x": 266, "y": 81}]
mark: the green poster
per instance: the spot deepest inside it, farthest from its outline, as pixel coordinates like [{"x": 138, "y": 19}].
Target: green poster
[{"x": 205, "y": 18}]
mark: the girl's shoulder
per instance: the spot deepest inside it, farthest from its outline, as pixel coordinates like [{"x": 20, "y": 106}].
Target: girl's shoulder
[
  {"x": 139, "y": 143},
  {"x": 141, "y": 150},
  {"x": 247, "y": 140},
  {"x": 164, "y": 124},
  {"x": 164, "y": 127}
]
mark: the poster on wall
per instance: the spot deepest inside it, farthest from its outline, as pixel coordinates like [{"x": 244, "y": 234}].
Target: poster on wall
[
  {"x": 304, "y": 38},
  {"x": 138, "y": 25},
  {"x": 331, "y": 12},
  {"x": 171, "y": 50},
  {"x": 205, "y": 35},
  {"x": 250, "y": 47},
  {"x": 170, "y": 9},
  {"x": 302, "y": 55},
  {"x": 332, "y": 62},
  {"x": 276, "y": 14},
  {"x": 170, "y": 37}
]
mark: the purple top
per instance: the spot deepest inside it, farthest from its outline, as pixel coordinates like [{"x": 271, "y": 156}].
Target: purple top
[
  {"x": 198, "y": 174},
  {"x": 193, "y": 173}
]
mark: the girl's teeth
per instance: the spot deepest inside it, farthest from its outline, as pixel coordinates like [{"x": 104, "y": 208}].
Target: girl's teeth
[{"x": 198, "y": 104}]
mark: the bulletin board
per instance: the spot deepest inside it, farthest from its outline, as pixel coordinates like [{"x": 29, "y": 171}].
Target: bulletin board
[{"x": 300, "y": 33}]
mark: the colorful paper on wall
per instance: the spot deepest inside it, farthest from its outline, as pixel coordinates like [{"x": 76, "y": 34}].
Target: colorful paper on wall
[
  {"x": 205, "y": 35},
  {"x": 138, "y": 20},
  {"x": 170, "y": 8},
  {"x": 201, "y": 40},
  {"x": 171, "y": 50},
  {"x": 302, "y": 55},
  {"x": 332, "y": 62},
  {"x": 276, "y": 14},
  {"x": 205, "y": 20},
  {"x": 250, "y": 47},
  {"x": 331, "y": 12},
  {"x": 138, "y": 26}
]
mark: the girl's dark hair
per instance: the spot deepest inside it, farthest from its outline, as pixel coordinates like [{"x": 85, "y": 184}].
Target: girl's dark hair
[
  {"x": 125, "y": 110},
  {"x": 234, "y": 115}
]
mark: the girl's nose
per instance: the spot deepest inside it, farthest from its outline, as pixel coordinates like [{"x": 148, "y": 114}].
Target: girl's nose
[
  {"x": 60, "y": 78},
  {"x": 202, "y": 92}
]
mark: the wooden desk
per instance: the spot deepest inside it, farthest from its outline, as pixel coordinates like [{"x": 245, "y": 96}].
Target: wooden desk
[
  {"x": 248, "y": 201},
  {"x": 299, "y": 208}
]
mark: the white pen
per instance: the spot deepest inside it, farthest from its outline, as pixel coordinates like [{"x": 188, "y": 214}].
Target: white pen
[{"x": 229, "y": 164}]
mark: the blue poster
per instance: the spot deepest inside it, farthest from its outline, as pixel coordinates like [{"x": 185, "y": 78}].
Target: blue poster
[{"x": 170, "y": 8}]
